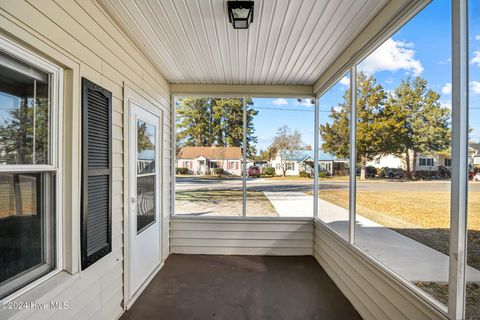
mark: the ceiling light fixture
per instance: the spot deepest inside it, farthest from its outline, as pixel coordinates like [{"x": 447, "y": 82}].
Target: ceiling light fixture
[{"x": 240, "y": 14}]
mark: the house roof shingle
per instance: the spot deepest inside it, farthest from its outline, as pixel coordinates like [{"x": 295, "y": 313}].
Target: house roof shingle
[{"x": 213, "y": 153}]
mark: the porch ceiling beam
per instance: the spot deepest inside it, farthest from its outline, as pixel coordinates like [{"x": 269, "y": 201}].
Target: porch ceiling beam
[{"x": 277, "y": 91}]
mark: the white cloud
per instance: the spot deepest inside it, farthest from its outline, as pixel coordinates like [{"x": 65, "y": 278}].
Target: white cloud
[
  {"x": 447, "y": 88},
  {"x": 306, "y": 102},
  {"x": 446, "y": 61},
  {"x": 338, "y": 108},
  {"x": 476, "y": 58},
  {"x": 392, "y": 56},
  {"x": 345, "y": 81},
  {"x": 475, "y": 87},
  {"x": 280, "y": 101},
  {"x": 390, "y": 92},
  {"x": 446, "y": 104},
  {"x": 477, "y": 37}
]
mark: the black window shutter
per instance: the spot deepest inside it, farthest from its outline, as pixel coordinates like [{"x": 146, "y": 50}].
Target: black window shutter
[{"x": 96, "y": 226}]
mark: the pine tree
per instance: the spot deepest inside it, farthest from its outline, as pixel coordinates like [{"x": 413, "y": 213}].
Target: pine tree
[
  {"x": 408, "y": 121},
  {"x": 423, "y": 123},
  {"x": 215, "y": 121},
  {"x": 374, "y": 128}
]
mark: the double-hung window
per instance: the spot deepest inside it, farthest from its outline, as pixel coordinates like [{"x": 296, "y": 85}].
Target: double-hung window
[
  {"x": 426, "y": 162},
  {"x": 29, "y": 168}
]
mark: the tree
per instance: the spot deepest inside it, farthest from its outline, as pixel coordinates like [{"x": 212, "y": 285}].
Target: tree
[
  {"x": 17, "y": 134},
  {"x": 422, "y": 123},
  {"x": 287, "y": 143},
  {"x": 268, "y": 154},
  {"x": 144, "y": 138},
  {"x": 215, "y": 121},
  {"x": 374, "y": 128},
  {"x": 406, "y": 122}
]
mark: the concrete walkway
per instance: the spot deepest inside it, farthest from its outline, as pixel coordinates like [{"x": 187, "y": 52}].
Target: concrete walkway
[
  {"x": 410, "y": 259},
  {"x": 291, "y": 204}
]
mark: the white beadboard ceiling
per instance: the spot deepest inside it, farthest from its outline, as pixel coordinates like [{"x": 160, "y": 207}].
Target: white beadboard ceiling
[{"x": 289, "y": 42}]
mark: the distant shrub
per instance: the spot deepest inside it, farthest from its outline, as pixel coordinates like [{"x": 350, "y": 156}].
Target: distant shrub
[
  {"x": 304, "y": 174},
  {"x": 217, "y": 171},
  {"x": 322, "y": 174},
  {"x": 425, "y": 174},
  {"x": 182, "y": 170},
  {"x": 269, "y": 171}
]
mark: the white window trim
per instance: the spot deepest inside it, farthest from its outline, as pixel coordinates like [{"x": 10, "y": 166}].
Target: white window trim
[{"x": 55, "y": 154}]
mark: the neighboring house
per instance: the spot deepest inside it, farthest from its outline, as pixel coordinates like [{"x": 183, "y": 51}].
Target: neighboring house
[
  {"x": 331, "y": 164},
  {"x": 424, "y": 162},
  {"x": 146, "y": 161},
  {"x": 294, "y": 161},
  {"x": 473, "y": 156},
  {"x": 303, "y": 160},
  {"x": 202, "y": 160}
]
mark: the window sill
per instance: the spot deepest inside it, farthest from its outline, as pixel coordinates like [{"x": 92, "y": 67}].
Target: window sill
[{"x": 41, "y": 291}]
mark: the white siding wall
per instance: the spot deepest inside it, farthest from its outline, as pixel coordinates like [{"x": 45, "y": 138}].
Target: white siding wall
[
  {"x": 82, "y": 38},
  {"x": 389, "y": 161},
  {"x": 227, "y": 236},
  {"x": 372, "y": 292}
]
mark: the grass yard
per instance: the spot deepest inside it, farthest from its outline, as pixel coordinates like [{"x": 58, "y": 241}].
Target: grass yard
[
  {"x": 424, "y": 217},
  {"x": 440, "y": 292},
  {"x": 222, "y": 202}
]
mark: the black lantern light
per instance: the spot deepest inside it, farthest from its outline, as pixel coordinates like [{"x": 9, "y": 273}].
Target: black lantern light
[{"x": 240, "y": 14}]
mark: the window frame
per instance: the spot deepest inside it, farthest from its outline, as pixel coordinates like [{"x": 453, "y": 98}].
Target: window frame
[
  {"x": 241, "y": 166},
  {"x": 455, "y": 308},
  {"x": 54, "y": 166}
]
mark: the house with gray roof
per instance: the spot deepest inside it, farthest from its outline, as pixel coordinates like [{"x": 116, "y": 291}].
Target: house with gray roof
[{"x": 292, "y": 162}]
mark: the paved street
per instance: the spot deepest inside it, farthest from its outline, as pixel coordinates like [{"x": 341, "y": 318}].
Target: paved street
[{"x": 273, "y": 185}]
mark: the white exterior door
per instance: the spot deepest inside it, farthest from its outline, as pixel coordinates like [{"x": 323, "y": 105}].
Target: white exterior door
[{"x": 144, "y": 219}]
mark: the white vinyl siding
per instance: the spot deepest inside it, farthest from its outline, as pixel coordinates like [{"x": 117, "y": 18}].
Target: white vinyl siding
[
  {"x": 227, "y": 236},
  {"x": 82, "y": 37}
]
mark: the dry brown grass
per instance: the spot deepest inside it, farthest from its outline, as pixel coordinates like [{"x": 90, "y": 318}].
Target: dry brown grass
[
  {"x": 423, "y": 216},
  {"x": 222, "y": 203},
  {"x": 404, "y": 209}
]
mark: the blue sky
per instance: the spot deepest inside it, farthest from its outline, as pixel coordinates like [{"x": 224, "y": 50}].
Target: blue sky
[{"x": 421, "y": 47}]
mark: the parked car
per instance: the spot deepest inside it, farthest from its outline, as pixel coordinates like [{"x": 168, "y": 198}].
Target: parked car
[
  {"x": 471, "y": 175},
  {"x": 476, "y": 177},
  {"x": 391, "y": 173},
  {"x": 254, "y": 171},
  {"x": 370, "y": 171},
  {"x": 444, "y": 172}
]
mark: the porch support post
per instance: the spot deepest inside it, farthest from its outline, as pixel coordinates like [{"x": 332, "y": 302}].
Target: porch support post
[
  {"x": 315, "y": 157},
  {"x": 459, "y": 180},
  {"x": 244, "y": 164},
  {"x": 353, "y": 155}
]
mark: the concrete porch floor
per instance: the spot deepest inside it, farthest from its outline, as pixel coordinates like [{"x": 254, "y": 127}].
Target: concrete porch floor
[{"x": 241, "y": 287}]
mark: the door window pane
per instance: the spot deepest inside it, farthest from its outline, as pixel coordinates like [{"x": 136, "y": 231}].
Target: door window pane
[
  {"x": 145, "y": 201},
  {"x": 24, "y": 113},
  {"x": 26, "y": 229},
  {"x": 145, "y": 147}
]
